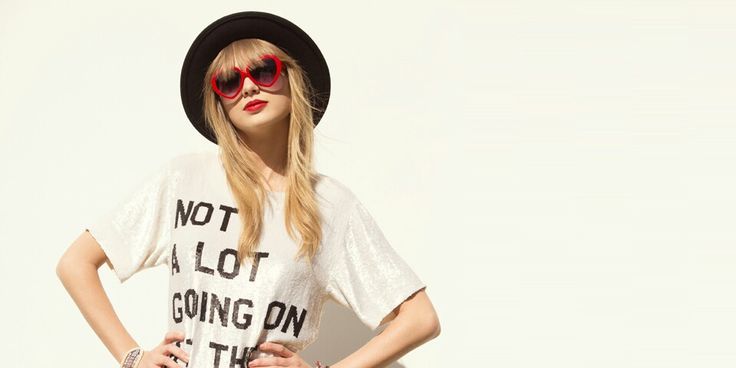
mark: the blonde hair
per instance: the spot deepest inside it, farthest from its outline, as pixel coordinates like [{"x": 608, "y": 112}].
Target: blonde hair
[{"x": 301, "y": 207}]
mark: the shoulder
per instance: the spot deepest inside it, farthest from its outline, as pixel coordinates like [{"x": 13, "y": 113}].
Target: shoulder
[
  {"x": 333, "y": 192},
  {"x": 337, "y": 201}
]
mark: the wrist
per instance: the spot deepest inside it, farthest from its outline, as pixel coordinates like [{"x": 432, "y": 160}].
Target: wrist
[{"x": 132, "y": 358}]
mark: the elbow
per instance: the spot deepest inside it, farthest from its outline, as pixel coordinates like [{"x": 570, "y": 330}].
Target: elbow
[
  {"x": 63, "y": 266},
  {"x": 429, "y": 326},
  {"x": 60, "y": 265},
  {"x": 67, "y": 265},
  {"x": 434, "y": 327}
]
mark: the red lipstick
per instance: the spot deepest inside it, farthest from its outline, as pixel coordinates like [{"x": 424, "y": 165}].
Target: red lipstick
[{"x": 255, "y": 105}]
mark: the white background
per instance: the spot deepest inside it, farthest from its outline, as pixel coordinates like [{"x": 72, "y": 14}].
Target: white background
[{"x": 560, "y": 173}]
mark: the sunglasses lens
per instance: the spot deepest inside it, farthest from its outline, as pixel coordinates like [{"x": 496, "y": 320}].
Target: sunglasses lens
[
  {"x": 228, "y": 82},
  {"x": 266, "y": 73}
]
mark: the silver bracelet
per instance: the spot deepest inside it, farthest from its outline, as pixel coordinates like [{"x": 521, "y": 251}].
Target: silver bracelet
[{"x": 132, "y": 358}]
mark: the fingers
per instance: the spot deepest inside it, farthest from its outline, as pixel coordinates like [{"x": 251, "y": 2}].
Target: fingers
[
  {"x": 161, "y": 354},
  {"x": 269, "y": 362},
  {"x": 167, "y": 362},
  {"x": 172, "y": 336},
  {"x": 284, "y": 357},
  {"x": 276, "y": 348},
  {"x": 172, "y": 349}
]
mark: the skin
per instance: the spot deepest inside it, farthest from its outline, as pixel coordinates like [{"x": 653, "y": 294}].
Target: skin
[
  {"x": 78, "y": 271},
  {"x": 265, "y": 131},
  {"x": 410, "y": 324}
]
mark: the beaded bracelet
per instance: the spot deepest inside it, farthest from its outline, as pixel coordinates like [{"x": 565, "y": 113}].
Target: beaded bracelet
[
  {"x": 318, "y": 364},
  {"x": 132, "y": 358}
]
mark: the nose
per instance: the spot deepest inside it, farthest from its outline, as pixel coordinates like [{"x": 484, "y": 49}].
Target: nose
[{"x": 249, "y": 87}]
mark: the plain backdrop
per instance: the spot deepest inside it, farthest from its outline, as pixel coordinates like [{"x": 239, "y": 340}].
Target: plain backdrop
[{"x": 560, "y": 173}]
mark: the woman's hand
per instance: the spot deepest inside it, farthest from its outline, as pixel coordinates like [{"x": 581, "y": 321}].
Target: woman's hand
[
  {"x": 284, "y": 357},
  {"x": 160, "y": 356}
]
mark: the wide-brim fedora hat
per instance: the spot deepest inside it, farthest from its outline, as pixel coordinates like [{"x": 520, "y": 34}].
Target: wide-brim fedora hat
[{"x": 250, "y": 24}]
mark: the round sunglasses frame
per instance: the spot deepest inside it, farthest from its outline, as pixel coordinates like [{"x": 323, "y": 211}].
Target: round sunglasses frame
[{"x": 246, "y": 73}]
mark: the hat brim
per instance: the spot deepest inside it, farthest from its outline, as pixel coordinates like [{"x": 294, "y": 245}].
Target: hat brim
[{"x": 250, "y": 24}]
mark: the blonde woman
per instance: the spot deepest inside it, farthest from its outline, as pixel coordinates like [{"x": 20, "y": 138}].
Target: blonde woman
[{"x": 255, "y": 239}]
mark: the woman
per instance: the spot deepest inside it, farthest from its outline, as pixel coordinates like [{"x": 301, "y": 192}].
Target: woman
[{"x": 255, "y": 240}]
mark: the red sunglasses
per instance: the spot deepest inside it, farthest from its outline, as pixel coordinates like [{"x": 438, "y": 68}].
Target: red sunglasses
[{"x": 229, "y": 83}]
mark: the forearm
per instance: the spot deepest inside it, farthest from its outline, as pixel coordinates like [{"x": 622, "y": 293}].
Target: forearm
[
  {"x": 82, "y": 282},
  {"x": 403, "y": 334}
]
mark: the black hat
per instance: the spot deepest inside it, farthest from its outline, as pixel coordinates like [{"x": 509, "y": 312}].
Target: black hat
[{"x": 250, "y": 24}]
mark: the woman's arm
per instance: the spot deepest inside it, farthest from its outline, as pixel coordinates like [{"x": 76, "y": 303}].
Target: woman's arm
[
  {"x": 78, "y": 271},
  {"x": 413, "y": 323}
]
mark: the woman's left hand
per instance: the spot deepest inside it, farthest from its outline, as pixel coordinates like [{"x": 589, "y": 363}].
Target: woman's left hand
[{"x": 284, "y": 357}]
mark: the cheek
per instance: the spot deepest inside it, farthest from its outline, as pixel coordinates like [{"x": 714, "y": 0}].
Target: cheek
[
  {"x": 229, "y": 106},
  {"x": 233, "y": 110},
  {"x": 284, "y": 103},
  {"x": 279, "y": 104}
]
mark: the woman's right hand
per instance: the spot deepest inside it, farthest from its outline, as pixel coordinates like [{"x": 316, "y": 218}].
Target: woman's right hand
[{"x": 160, "y": 356}]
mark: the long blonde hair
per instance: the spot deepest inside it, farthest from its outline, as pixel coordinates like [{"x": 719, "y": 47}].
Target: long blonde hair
[{"x": 301, "y": 207}]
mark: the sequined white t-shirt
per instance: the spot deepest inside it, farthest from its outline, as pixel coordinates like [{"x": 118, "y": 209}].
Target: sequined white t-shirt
[{"x": 184, "y": 216}]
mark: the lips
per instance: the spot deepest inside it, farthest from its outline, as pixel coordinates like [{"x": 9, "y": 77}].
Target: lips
[{"x": 253, "y": 102}]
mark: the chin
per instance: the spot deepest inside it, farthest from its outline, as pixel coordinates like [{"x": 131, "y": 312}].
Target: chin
[{"x": 254, "y": 124}]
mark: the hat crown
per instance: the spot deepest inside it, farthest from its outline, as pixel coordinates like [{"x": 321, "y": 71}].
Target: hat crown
[{"x": 250, "y": 24}]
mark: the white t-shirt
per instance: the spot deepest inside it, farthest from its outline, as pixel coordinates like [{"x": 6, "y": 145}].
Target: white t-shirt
[{"x": 184, "y": 216}]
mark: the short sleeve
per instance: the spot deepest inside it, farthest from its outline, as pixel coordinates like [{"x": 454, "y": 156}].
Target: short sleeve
[
  {"x": 135, "y": 234},
  {"x": 363, "y": 271}
]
